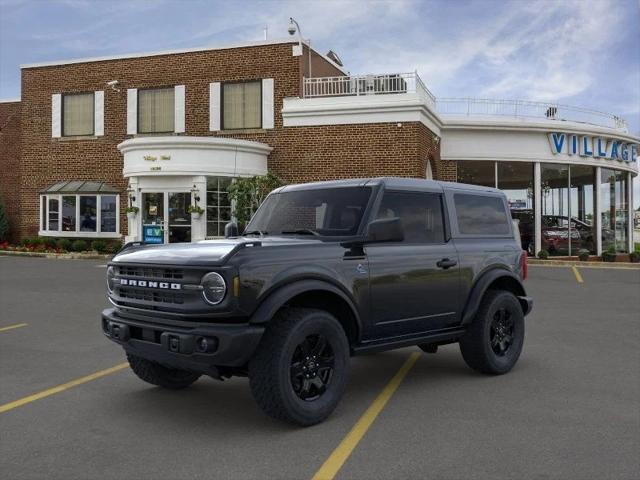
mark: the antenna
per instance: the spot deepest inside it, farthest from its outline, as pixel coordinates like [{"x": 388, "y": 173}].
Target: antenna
[{"x": 266, "y": 31}]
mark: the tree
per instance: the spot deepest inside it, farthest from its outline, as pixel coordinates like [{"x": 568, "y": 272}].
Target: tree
[
  {"x": 4, "y": 223},
  {"x": 248, "y": 193}
]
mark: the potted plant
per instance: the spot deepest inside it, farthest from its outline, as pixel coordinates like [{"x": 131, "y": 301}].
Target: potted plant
[
  {"x": 132, "y": 211},
  {"x": 634, "y": 256},
  {"x": 195, "y": 211},
  {"x": 543, "y": 254},
  {"x": 583, "y": 254},
  {"x": 609, "y": 255}
]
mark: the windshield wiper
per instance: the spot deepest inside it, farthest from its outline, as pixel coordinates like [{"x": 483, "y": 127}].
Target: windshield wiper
[
  {"x": 300, "y": 231},
  {"x": 255, "y": 232}
]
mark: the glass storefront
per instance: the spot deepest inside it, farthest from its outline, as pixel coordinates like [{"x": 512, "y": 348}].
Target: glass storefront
[
  {"x": 218, "y": 205},
  {"x": 614, "y": 210},
  {"x": 567, "y": 203}
]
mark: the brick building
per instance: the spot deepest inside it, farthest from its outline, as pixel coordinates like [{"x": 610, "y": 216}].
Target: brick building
[{"x": 162, "y": 131}]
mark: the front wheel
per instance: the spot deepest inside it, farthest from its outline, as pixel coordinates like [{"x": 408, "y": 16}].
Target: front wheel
[
  {"x": 495, "y": 338},
  {"x": 299, "y": 371}
]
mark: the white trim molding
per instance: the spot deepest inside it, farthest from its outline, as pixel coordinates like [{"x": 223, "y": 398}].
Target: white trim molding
[
  {"x": 56, "y": 115},
  {"x": 187, "y": 155},
  {"x": 214, "y": 106},
  {"x": 132, "y": 111},
  {"x": 98, "y": 123},
  {"x": 179, "y": 109}
]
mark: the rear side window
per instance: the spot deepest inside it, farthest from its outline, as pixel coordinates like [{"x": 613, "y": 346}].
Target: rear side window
[
  {"x": 481, "y": 215},
  {"x": 419, "y": 213}
]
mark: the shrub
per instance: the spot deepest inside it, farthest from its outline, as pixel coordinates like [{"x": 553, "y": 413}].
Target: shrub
[
  {"x": 113, "y": 247},
  {"x": 634, "y": 257},
  {"x": 543, "y": 254},
  {"x": 583, "y": 254},
  {"x": 48, "y": 242},
  {"x": 4, "y": 223},
  {"x": 610, "y": 254},
  {"x": 64, "y": 244},
  {"x": 79, "y": 246},
  {"x": 99, "y": 246},
  {"x": 248, "y": 193}
]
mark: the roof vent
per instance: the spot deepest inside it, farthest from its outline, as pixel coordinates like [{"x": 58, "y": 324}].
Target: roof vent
[{"x": 333, "y": 56}]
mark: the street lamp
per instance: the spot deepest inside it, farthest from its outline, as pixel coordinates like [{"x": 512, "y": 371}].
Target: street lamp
[{"x": 293, "y": 27}]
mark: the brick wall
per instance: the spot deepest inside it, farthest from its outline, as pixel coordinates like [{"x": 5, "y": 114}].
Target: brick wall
[
  {"x": 10, "y": 162},
  {"x": 299, "y": 153}
]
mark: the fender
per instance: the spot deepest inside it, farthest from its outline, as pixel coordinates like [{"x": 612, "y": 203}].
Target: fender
[
  {"x": 482, "y": 284},
  {"x": 281, "y": 295}
]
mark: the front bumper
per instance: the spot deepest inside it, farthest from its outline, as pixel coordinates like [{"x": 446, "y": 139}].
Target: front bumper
[{"x": 228, "y": 345}]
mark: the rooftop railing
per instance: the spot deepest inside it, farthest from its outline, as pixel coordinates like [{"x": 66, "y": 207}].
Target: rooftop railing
[{"x": 399, "y": 83}]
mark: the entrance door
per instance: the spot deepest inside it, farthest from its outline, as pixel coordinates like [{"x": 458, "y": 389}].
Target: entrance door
[{"x": 165, "y": 218}]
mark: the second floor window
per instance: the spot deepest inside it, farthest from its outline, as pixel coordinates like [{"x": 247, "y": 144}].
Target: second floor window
[
  {"x": 242, "y": 105},
  {"x": 77, "y": 114},
  {"x": 156, "y": 110}
]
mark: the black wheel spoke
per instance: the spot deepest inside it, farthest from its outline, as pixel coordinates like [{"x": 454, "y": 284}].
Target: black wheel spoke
[
  {"x": 319, "y": 347},
  {"x": 296, "y": 369},
  {"x": 312, "y": 367}
]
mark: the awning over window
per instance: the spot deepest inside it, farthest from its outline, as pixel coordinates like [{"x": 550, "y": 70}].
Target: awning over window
[{"x": 80, "y": 186}]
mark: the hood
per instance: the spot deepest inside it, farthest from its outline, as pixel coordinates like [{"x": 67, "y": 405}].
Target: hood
[{"x": 203, "y": 253}]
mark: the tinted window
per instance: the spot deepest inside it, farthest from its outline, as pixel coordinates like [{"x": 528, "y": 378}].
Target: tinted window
[
  {"x": 481, "y": 215},
  {"x": 419, "y": 213},
  {"x": 326, "y": 211}
]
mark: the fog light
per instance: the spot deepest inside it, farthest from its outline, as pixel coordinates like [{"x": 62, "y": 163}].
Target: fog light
[{"x": 206, "y": 345}]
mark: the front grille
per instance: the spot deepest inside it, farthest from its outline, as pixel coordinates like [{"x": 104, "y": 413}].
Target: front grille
[
  {"x": 150, "y": 272},
  {"x": 157, "y": 296}
]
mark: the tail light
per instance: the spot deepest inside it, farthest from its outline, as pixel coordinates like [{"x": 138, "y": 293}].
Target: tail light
[{"x": 524, "y": 265}]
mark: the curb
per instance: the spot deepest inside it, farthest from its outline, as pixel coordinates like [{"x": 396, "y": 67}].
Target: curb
[
  {"x": 570, "y": 263},
  {"x": 59, "y": 256}
]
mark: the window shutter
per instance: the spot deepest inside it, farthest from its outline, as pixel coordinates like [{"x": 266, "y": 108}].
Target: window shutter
[
  {"x": 98, "y": 111},
  {"x": 56, "y": 115},
  {"x": 179, "y": 100},
  {"x": 132, "y": 111},
  {"x": 267, "y": 103},
  {"x": 214, "y": 106}
]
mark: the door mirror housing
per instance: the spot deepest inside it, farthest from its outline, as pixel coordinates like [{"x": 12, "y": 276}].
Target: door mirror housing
[
  {"x": 384, "y": 230},
  {"x": 231, "y": 230}
]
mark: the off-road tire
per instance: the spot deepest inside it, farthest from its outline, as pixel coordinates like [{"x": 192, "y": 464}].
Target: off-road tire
[
  {"x": 156, "y": 374},
  {"x": 476, "y": 344},
  {"x": 270, "y": 368}
]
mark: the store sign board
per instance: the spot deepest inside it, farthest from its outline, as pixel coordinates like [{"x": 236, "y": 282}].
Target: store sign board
[
  {"x": 152, "y": 234},
  {"x": 590, "y": 146}
]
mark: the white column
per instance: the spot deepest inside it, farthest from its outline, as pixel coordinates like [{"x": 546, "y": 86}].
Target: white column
[
  {"x": 537, "y": 203},
  {"x": 598, "y": 212},
  {"x": 199, "y": 226},
  {"x": 630, "y": 212}
]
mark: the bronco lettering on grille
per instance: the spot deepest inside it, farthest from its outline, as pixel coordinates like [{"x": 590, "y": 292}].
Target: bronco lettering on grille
[{"x": 150, "y": 284}]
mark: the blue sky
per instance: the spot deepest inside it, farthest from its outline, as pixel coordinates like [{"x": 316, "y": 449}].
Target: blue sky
[{"x": 578, "y": 52}]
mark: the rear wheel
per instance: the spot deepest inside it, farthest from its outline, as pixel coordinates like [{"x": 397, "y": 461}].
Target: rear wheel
[
  {"x": 156, "y": 374},
  {"x": 495, "y": 338},
  {"x": 299, "y": 371}
]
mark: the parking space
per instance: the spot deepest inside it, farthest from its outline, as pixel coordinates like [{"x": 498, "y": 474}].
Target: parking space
[{"x": 570, "y": 408}]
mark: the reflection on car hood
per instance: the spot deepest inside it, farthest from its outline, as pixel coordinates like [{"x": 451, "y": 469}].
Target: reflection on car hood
[{"x": 206, "y": 252}]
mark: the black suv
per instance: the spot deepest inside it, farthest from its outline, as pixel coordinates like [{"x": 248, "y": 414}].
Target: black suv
[{"x": 324, "y": 271}]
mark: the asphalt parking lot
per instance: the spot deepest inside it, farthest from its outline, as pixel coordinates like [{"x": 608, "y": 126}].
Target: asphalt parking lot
[{"x": 569, "y": 410}]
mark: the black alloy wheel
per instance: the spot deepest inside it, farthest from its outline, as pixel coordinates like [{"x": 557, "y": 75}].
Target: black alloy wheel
[
  {"x": 312, "y": 367},
  {"x": 501, "y": 332}
]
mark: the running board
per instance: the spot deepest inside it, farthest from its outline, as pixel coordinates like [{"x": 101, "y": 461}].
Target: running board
[{"x": 399, "y": 342}]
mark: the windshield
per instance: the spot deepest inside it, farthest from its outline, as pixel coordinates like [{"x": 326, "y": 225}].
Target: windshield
[{"x": 333, "y": 212}]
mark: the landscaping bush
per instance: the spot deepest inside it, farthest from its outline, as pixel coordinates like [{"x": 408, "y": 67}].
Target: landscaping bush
[
  {"x": 610, "y": 254},
  {"x": 79, "y": 246},
  {"x": 4, "y": 223},
  {"x": 64, "y": 244},
  {"x": 99, "y": 246},
  {"x": 583, "y": 254},
  {"x": 543, "y": 254},
  {"x": 634, "y": 256},
  {"x": 48, "y": 242},
  {"x": 114, "y": 247}
]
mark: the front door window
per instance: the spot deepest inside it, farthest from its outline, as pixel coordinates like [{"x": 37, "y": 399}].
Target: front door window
[
  {"x": 165, "y": 218},
  {"x": 179, "y": 218}
]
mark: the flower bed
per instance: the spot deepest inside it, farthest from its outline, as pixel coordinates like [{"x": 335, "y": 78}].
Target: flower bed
[{"x": 51, "y": 245}]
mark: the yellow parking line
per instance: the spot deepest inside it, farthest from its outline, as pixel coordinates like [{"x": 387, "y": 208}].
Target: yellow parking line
[
  {"x": 11, "y": 327},
  {"x": 577, "y": 274},
  {"x": 60, "y": 388},
  {"x": 334, "y": 463}
]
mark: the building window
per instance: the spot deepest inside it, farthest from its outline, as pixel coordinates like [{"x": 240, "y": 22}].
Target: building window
[
  {"x": 156, "y": 110},
  {"x": 218, "y": 205},
  {"x": 515, "y": 179},
  {"x": 614, "y": 210},
  {"x": 78, "y": 114},
  {"x": 477, "y": 172},
  {"x": 242, "y": 105},
  {"x": 79, "y": 215},
  {"x": 582, "y": 206}
]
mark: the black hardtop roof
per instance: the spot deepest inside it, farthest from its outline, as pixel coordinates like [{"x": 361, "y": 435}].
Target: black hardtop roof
[{"x": 391, "y": 182}]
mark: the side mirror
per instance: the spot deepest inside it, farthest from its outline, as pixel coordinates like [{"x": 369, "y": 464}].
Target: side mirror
[
  {"x": 231, "y": 230},
  {"x": 385, "y": 230}
]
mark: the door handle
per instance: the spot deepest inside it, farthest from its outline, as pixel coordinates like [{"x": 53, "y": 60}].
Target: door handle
[{"x": 446, "y": 263}]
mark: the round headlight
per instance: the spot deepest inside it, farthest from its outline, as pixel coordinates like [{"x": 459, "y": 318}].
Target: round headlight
[
  {"x": 214, "y": 288},
  {"x": 111, "y": 273}
]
